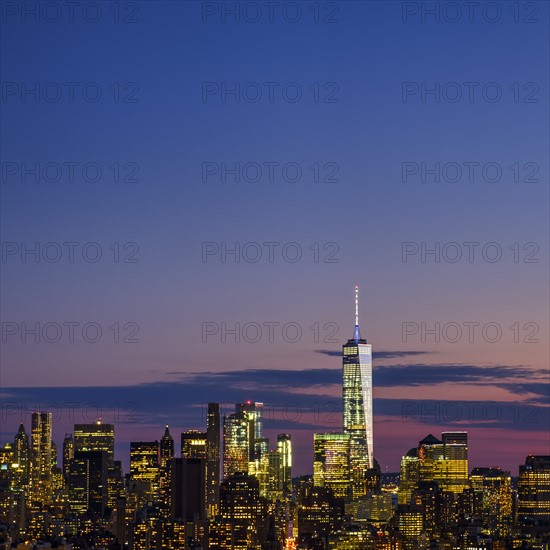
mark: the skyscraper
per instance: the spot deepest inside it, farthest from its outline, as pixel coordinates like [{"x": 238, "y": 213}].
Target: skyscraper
[
  {"x": 166, "y": 470},
  {"x": 236, "y": 444},
  {"x": 166, "y": 448},
  {"x": 87, "y": 481},
  {"x": 41, "y": 464},
  {"x": 242, "y": 514},
  {"x": 193, "y": 444},
  {"x": 95, "y": 437},
  {"x": 284, "y": 447},
  {"x": 534, "y": 488},
  {"x": 68, "y": 452},
  {"x": 22, "y": 454},
  {"x": 144, "y": 465},
  {"x": 456, "y": 455},
  {"x": 357, "y": 404},
  {"x": 331, "y": 462},
  {"x": 495, "y": 488},
  {"x": 213, "y": 459}
]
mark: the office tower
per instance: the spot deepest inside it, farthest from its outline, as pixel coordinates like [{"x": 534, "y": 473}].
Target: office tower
[
  {"x": 213, "y": 459},
  {"x": 428, "y": 497},
  {"x": 445, "y": 461},
  {"x": 495, "y": 487},
  {"x": 22, "y": 455},
  {"x": 357, "y": 404},
  {"x": 187, "y": 488},
  {"x": 409, "y": 476},
  {"x": 534, "y": 489},
  {"x": 144, "y": 466},
  {"x": 331, "y": 462},
  {"x": 95, "y": 437},
  {"x": 68, "y": 451},
  {"x": 165, "y": 470},
  {"x": 318, "y": 514},
  {"x": 236, "y": 444},
  {"x": 41, "y": 461},
  {"x": 193, "y": 444},
  {"x": 258, "y": 444},
  {"x": 87, "y": 475},
  {"x": 241, "y": 524},
  {"x": 243, "y": 441},
  {"x": 455, "y": 449},
  {"x": 411, "y": 525},
  {"x": 166, "y": 448},
  {"x": 284, "y": 448}
]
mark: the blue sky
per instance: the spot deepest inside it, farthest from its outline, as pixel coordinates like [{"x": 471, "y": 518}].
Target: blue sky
[{"x": 362, "y": 219}]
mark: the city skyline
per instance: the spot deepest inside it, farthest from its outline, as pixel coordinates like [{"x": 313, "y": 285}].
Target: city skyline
[
  {"x": 274, "y": 275},
  {"x": 353, "y": 417}
]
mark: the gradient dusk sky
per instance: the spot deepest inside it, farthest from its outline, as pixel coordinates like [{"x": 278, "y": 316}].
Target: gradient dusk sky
[{"x": 163, "y": 122}]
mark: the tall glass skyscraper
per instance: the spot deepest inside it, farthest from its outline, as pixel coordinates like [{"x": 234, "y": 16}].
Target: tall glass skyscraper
[{"x": 357, "y": 403}]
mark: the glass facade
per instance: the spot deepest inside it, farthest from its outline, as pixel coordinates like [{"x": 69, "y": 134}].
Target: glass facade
[
  {"x": 357, "y": 405},
  {"x": 331, "y": 462}
]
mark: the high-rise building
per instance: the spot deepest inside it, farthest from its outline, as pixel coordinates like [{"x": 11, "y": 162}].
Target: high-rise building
[
  {"x": 409, "y": 476},
  {"x": 189, "y": 498},
  {"x": 236, "y": 444},
  {"x": 144, "y": 465},
  {"x": 258, "y": 444},
  {"x": 495, "y": 488},
  {"x": 534, "y": 488},
  {"x": 166, "y": 448},
  {"x": 68, "y": 452},
  {"x": 284, "y": 448},
  {"x": 165, "y": 470},
  {"x": 22, "y": 455},
  {"x": 243, "y": 441},
  {"x": 331, "y": 462},
  {"x": 99, "y": 437},
  {"x": 455, "y": 448},
  {"x": 357, "y": 404},
  {"x": 95, "y": 437},
  {"x": 241, "y": 523},
  {"x": 213, "y": 453},
  {"x": 193, "y": 444},
  {"x": 318, "y": 513},
  {"x": 41, "y": 453},
  {"x": 87, "y": 475}
]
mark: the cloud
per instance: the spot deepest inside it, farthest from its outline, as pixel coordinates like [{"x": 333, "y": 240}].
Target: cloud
[{"x": 290, "y": 401}]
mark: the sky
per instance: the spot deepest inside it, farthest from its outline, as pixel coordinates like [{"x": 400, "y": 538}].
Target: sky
[{"x": 208, "y": 191}]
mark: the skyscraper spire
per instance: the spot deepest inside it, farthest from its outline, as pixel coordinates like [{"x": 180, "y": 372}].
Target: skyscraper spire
[
  {"x": 356, "y": 305},
  {"x": 356, "y": 333}
]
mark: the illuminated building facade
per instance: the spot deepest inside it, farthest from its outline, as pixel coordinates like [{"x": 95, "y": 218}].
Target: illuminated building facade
[
  {"x": 22, "y": 457},
  {"x": 237, "y": 443},
  {"x": 193, "y": 444},
  {"x": 318, "y": 513},
  {"x": 242, "y": 520},
  {"x": 495, "y": 488},
  {"x": 331, "y": 462},
  {"x": 213, "y": 455},
  {"x": 534, "y": 489},
  {"x": 41, "y": 457},
  {"x": 284, "y": 449},
  {"x": 95, "y": 437},
  {"x": 87, "y": 475},
  {"x": 144, "y": 465},
  {"x": 166, "y": 454},
  {"x": 68, "y": 452},
  {"x": 357, "y": 405}
]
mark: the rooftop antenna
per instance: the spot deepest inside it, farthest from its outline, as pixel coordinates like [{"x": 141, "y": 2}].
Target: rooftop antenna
[{"x": 356, "y": 305}]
